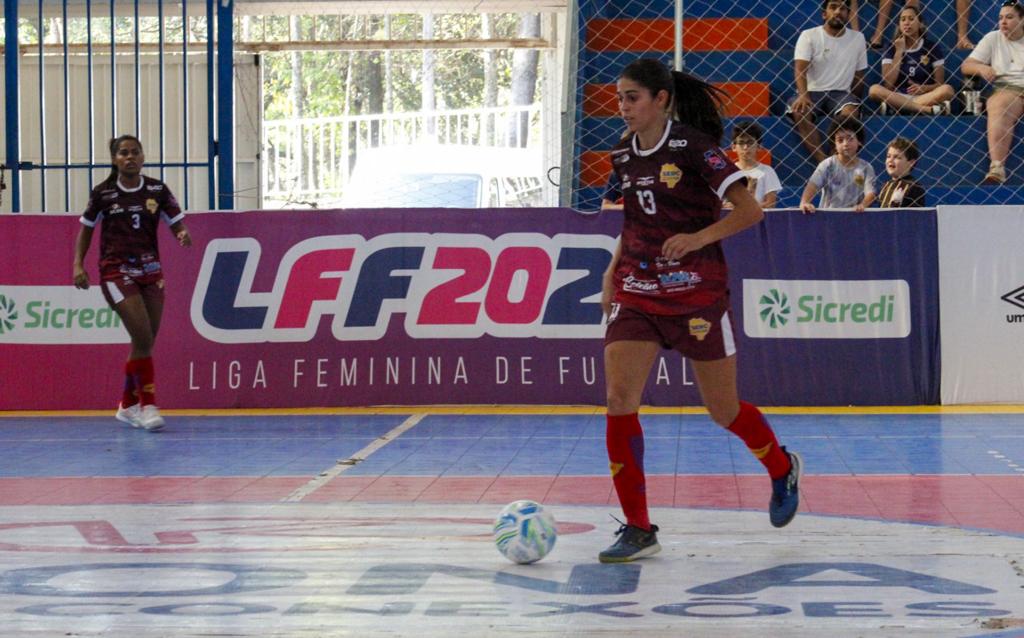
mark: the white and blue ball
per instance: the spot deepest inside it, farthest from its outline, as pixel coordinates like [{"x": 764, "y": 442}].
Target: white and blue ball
[{"x": 525, "y": 532}]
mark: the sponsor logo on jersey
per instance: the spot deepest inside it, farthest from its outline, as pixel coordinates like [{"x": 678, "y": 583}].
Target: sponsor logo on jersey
[
  {"x": 621, "y": 159},
  {"x": 676, "y": 144},
  {"x": 699, "y": 328},
  {"x": 670, "y": 174},
  {"x": 714, "y": 159},
  {"x": 153, "y": 188},
  {"x": 646, "y": 180}
]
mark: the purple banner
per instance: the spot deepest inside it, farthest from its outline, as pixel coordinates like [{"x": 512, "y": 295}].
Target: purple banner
[{"x": 345, "y": 308}]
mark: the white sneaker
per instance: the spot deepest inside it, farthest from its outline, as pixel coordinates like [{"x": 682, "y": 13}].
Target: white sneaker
[
  {"x": 150, "y": 418},
  {"x": 129, "y": 415}
]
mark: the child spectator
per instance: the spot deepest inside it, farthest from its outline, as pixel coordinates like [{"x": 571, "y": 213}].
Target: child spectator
[
  {"x": 902, "y": 190},
  {"x": 845, "y": 180},
  {"x": 762, "y": 182}
]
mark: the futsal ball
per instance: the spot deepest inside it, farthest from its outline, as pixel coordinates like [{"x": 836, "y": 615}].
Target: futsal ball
[{"x": 524, "y": 532}]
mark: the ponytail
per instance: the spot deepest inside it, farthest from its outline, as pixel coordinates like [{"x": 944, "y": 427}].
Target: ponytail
[
  {"x": 694, "y": 102},
  {"x": 698, "y": 104}
]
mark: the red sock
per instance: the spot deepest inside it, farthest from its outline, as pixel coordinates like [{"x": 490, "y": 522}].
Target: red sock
[
  {"x": 751, "y": 426},
  {"x": 146, "y": 385},
  {"x": 130, "y": 395},
  {"x": 625, "y": 439}
]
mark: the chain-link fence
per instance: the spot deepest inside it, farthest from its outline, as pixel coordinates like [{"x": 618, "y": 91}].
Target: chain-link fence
[{"x": 748, "y": 49}]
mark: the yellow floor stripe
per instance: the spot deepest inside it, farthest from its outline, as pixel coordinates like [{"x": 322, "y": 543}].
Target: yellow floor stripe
[{"x": 535, "y": 409}]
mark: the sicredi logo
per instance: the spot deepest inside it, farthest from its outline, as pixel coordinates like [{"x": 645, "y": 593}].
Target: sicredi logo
[
  {"x": 57, "y": 315},
  {"x": 826, "y": 309}
]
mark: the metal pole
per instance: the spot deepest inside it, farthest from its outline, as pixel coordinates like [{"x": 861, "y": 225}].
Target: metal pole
[
  {"x": 13, "y": 146},
  {"x": 113, "y": 73},
  {"x": 89, "y": 88},
  {"x": 138, "y": 76},
  {"x": 160, "y": 80},
  {"x": 42, "y": 111},
  {"x": 67, "y": 111},
  {"x": 678, "y": 64},
  {"x": 225, "y": 105},
  {"x": 184, "y": 97},
  {"x": 211, "y": 133}
]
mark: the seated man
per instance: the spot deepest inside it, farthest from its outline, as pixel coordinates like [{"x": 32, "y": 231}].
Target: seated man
[{"x": 829, "y": 63}]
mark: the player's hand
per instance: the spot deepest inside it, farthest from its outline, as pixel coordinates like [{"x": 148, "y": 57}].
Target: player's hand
[
  {"x": 859, "y": 208},
  {"x": 807, "y": 208},
  {"x": 989, "y": 74},
  {"x": 184, "y": 239},
  {"x": 678, "y": 245},
  {"x": 899, "y": 45},
  {"x": 913, "y": 89},
  {"x": 81, "y": 278},
  {"x": 607, "y": 294}
]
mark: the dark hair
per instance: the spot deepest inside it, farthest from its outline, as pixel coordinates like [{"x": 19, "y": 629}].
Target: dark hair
[
  {"x": 747, "y": 129},
  {"x": 1016, "y": 6},
  {"x": 115, "y": 144},
  {"x": 850, "y": 124},
  {"x": 694, "y": 102},
  {"x": 907, "y": 147},
  {"x": 825, "y": 3},
  {"x": 917, "y": 11}
]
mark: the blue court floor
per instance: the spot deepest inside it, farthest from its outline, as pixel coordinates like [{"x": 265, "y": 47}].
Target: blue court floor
[{"x": 377, "y": 522}]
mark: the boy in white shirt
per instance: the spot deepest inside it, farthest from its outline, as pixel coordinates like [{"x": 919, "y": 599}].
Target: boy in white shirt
[
  {"x": 762, "y": 181},
  {"x": 845, "y": 180}
]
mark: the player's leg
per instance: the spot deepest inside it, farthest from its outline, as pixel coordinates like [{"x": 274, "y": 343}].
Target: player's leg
[
  {"x": 628, "y": 356},
  {"x": 717, "y": 383},
  {"x": 125, "y": 298},
  {"x": 1004, "y": 108},
  {"x": 152, "y": 296}
]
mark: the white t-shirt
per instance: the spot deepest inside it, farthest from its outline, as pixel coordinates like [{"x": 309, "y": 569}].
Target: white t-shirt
[
  {"x": 1006, "y": 57},
  {"x": 833, "y": 61},
  {"x": 843, "y": 186},
  {"x": 765, "y": 180}
]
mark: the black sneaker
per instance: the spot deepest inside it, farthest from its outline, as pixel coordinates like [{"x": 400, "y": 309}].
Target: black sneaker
[
  {"x": 786, "y": 493},
  {"x": 633, "y": 543}
]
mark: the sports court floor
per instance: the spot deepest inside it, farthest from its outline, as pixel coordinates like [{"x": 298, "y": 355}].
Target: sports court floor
[{"x": 377, "y": 523}]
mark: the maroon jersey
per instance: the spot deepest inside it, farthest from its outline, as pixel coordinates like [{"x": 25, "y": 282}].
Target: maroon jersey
[
  {"x": 130, "y": 217},
  {"x": 676, "y": 187}
]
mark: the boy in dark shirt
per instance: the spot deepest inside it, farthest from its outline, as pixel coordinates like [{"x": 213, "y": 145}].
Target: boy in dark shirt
[{"x": 902, "y": 190}]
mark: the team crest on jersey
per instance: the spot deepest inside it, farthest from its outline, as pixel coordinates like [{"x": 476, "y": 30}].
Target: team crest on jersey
[
  {"x": 151, "y": 205},
  {"x": 670, "y": 174},
  {"x": 714, "y": 160},
  {"x": 858, "y": 178},
  {"x": 924, "y": 60},
  {"x": 699, "y": 328}
]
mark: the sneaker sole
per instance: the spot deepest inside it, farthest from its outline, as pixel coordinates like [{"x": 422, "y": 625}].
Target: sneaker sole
[
  {"x": 799, "y": 463},
  {"x": 643, "y": 553},
  {"x": 153, "y": 428},
  {"x": 127, "y": 419}
]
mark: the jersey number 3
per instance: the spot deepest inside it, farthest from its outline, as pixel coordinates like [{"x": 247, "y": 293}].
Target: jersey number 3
[{"x": 647, "y": 201}]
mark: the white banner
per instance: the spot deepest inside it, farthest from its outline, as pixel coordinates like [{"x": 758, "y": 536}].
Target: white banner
[
  {"x": 981, "y": 285},
  {"x": 826, "y": 309},
  {"x": 57, "y": 315}
]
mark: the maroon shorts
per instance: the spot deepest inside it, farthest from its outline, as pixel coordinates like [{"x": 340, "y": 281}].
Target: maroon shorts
[
  {"x": 117, "y": 285},
  {"x": 705, "y": 335}
]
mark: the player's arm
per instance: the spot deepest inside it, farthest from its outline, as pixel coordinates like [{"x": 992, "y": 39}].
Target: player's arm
[
  {"x": 81, "y": 278},
  {"x": 807, "y": 199},
  {"x": 608, "y": 280},
  {"x": 181, "y": 233},
  {"x": 770, "y": 199},
  {"x": 745, "y": 213}
]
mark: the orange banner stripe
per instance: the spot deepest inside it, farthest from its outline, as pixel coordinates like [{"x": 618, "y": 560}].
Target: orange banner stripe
[
  {"x": 744, "y": 98},
  {"x": 699, "y": 34}
]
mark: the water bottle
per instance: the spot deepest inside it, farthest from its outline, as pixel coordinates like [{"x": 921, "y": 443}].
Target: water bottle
[{"x": 971, "y": 96}]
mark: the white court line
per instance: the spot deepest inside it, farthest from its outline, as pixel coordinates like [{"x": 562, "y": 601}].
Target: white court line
[{"x": 327, "y": 476}]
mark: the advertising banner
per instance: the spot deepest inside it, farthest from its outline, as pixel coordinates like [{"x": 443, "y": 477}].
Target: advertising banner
[
  {"x": 981, "y": 277},
  {"x": 343, "y": 308}
]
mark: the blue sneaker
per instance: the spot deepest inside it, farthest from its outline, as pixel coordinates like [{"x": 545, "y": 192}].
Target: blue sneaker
[
  {"x": 633, "y": 543},
  {"x": 786, "y": 493}
]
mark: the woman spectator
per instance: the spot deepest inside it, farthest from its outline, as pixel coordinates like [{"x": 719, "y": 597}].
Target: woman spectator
[
  {"x": 913, "y": 70},
  {"x": 999, "y": 59}
]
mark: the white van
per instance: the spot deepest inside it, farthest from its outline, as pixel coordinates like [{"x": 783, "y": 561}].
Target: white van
[{"x": 444, "y": 176}]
